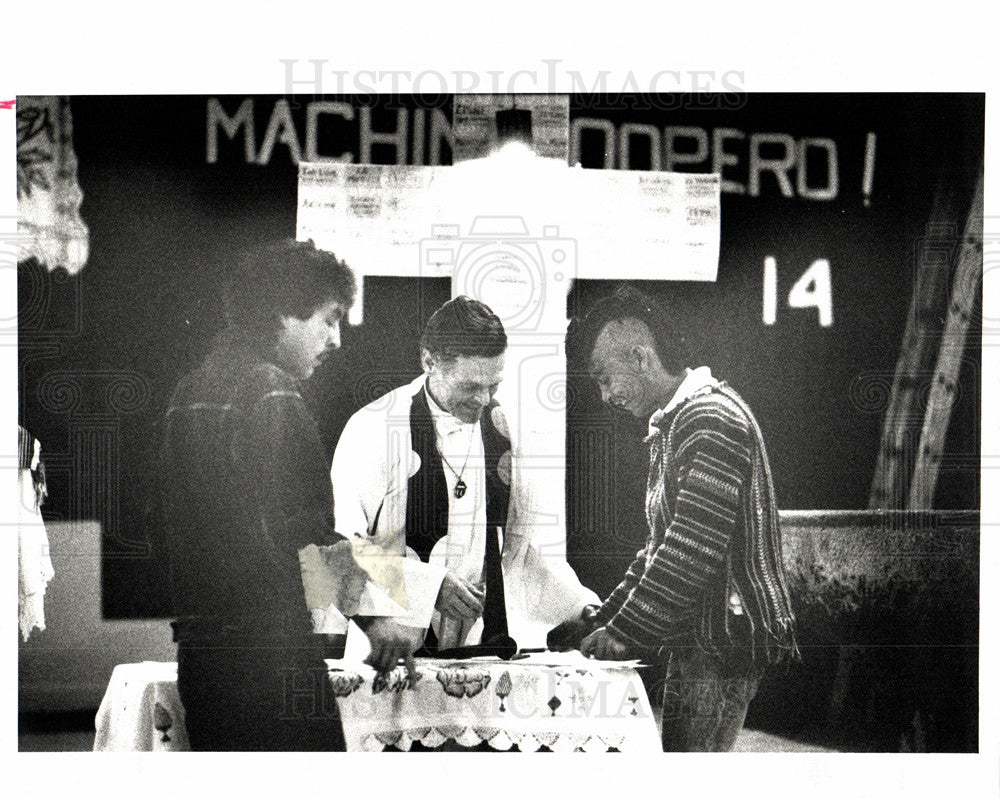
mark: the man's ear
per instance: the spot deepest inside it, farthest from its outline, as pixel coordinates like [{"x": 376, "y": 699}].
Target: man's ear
[
  {"x": 640, "y": 357},
  {"x": 426, "y": 361}
]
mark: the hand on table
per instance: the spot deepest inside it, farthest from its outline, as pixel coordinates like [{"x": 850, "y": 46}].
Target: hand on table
[
  {"x": 391, "y": 641},
  {"x": 460, "y": 598},
  {"x": 568, "y": 635},
  {"x": 601, "y": 644}
]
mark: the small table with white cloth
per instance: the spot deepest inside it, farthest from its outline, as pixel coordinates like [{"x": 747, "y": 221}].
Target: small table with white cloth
[{"x": 559, "y": 702}]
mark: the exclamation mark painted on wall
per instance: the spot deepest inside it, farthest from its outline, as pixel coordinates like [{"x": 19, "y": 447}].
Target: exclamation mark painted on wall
[
  {"x": 770, "y": 290},
  {"x": 869, "y": 176}
]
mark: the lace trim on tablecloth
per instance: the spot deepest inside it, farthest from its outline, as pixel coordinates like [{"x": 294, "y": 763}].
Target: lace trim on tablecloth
[{"x": 498, "y": 739}]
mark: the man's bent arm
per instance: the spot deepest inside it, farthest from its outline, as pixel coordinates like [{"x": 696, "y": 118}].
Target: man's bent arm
[
  {"x": 281, "y": 448},
  {"x": 713, "y": 454},
  {"x": 618, "y": 596}
]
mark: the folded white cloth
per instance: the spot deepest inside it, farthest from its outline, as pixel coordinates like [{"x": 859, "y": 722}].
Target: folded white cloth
[{"x": 34, "y": 564}]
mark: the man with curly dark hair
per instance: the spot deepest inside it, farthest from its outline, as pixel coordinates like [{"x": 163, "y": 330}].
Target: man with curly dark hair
[{"x": 246, "y": 499}]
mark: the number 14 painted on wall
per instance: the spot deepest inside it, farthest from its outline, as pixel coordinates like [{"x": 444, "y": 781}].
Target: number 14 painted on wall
[{"x": 812, "y": 290}]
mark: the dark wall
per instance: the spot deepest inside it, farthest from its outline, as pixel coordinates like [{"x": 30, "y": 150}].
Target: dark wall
[{"x": 163, "y": 220}]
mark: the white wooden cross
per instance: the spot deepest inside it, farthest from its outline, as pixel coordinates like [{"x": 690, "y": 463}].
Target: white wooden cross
[{"x": 514, "y": 229}]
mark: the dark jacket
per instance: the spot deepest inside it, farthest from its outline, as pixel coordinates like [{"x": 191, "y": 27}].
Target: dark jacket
[{"x": 245, "y": 485}]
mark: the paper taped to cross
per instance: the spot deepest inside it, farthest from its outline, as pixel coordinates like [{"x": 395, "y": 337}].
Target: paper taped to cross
[{"x": 650, "y": 225}]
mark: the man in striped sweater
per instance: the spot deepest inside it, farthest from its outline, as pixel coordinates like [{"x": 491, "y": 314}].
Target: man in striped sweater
[{"x": 708, "y": 591}]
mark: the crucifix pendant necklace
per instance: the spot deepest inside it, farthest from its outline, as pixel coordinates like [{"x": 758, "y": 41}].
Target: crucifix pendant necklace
[{"x": 460, "y": 486}]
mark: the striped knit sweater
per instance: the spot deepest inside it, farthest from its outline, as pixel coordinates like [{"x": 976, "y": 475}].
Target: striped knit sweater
[{"x": 714, "y": 546}]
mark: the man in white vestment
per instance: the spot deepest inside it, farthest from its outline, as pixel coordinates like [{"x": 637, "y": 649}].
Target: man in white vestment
[{"x": 427, "y": 471}]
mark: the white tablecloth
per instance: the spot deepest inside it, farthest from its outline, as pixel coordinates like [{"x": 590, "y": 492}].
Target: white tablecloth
[
  {"x": 562, "y": 702},
  {"x": 559, "y": 701},
  {"x": 141, "y": 710}
]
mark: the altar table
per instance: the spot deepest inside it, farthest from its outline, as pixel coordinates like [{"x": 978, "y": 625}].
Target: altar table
[{"x": 559, "y": 702}]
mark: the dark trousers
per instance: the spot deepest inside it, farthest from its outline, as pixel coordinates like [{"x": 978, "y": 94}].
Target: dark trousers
[
  {"x": 254, "y": 696},
  {"x": 705, "y": 700}
]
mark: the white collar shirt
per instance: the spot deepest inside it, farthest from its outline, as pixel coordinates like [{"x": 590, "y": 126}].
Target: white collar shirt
[
  {"x": 695, "y": 380},
  {"x": 461, "y": 446}
]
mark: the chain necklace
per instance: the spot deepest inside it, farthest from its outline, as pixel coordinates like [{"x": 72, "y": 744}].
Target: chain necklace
[{"x": 460, "y": 486}]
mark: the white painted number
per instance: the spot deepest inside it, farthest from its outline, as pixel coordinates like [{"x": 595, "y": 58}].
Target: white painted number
[{"x": 814, "y": 289}]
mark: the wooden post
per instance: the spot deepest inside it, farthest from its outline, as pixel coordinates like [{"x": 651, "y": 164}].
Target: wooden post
[
  {"x": 944, "y": 388},
  {"x": 897, "y": 454}
]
